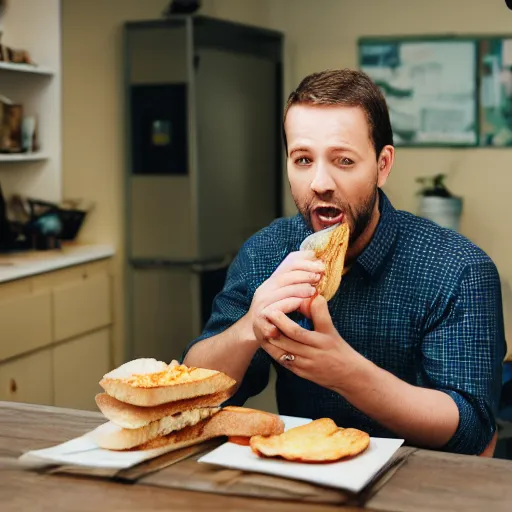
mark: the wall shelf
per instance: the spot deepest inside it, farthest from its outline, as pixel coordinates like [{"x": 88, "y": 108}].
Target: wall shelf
[
  {"x": 23, "y": 157},
  {"x": 25, "y": 68}
]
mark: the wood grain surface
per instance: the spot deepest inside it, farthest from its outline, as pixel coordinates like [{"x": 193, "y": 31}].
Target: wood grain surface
[{"x": 425, "y": 480}]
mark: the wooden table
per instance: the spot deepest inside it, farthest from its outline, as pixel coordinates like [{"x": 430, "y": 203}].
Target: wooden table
[{"x": 427, "y": 481}]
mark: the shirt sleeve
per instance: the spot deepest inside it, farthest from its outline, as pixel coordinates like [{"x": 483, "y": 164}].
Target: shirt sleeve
[
  {"x": 231, "y": 304},
  {"x": 463, "y": 350}
]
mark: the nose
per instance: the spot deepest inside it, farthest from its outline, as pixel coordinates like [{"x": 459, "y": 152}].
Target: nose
[{"x": 322, "y": 182}]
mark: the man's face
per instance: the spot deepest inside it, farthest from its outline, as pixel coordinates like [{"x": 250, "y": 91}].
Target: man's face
[{"x": 332, "y": 167}]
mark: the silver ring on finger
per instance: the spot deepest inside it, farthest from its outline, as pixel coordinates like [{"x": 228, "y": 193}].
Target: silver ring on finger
[{"x": 288, "y": 357}]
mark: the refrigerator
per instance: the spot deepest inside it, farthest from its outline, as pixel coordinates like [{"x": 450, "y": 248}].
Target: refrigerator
[{"x": 204, "y": 167}]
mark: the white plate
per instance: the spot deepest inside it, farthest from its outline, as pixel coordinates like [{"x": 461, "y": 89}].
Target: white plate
[{"x": 352, "y": 474}]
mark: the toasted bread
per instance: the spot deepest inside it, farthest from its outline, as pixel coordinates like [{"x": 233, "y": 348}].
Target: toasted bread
[
  {"x": 113, "y": 437},
  {"x": 135, "y": 416},
  {"x": 330, "y": 245},
  {"x": 230, "y": 422},
  {"x": 319, "y": 441},
  {"x": 167, "y": 383}
]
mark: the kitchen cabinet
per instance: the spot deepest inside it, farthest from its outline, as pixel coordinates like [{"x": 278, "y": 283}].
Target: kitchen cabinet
[
  {"x": 55, "y": 337},
  {"x": 26, "y": 323},
  {"x": 28, "y": 379},
  {"x": 78, "y": 366}
]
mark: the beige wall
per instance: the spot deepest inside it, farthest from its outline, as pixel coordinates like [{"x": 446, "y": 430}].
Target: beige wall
[
  {"x": 320, "y": 34},
  {"x": 93, "y": 151}
]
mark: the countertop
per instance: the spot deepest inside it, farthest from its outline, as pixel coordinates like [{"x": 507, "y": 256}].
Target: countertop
[{"x": 23, "y": 264}]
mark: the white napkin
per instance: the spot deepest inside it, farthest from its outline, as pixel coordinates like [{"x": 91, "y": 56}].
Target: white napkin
[{"x": 83, "y": 451}]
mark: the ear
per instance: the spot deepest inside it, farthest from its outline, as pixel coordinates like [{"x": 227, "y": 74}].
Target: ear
[{"x": 384, "y": 164}]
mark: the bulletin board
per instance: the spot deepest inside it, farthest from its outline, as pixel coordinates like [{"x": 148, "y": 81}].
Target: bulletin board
[
  {"x": 444, "y": 91},
  {"x": 495, "y": 84},
  {"x": 430, "y": 86}
]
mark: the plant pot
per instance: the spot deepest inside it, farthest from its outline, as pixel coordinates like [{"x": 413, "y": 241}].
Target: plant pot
[{"x": 445, "y": 211}]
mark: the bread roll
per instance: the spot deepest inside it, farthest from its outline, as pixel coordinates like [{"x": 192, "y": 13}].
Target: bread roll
[
  {"x": 330, "y": 245},
  {"x": 135, "y": 416},
  {"x": 230, "y": 422},
  {"x": 138, "y": 383}
]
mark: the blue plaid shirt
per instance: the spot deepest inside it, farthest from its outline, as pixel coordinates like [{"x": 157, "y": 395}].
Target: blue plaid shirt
[{"x": 421, "y": 301}]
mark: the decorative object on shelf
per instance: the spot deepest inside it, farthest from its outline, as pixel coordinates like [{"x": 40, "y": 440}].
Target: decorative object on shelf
[
  {"x": 495, "y": 80},
  {"x": 438, "y": 204},
  {"x": 11, "y": 116},
  {"x": 430, "y": 86},
  {"x": 7, "y": 234},
  {"x": 182, "y": 7},
  {"x": 7, "y": 53},
  {"x": 16, "y": 56},
  {"x": 28, "y": 134},
  {"x": 18, "y": 133}
]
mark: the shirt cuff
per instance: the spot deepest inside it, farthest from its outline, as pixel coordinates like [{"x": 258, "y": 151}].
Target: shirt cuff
[{"x": 476, "y": 426}]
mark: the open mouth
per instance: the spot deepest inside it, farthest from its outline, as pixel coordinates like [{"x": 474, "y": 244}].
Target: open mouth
[{"x": 328, "y": 215}]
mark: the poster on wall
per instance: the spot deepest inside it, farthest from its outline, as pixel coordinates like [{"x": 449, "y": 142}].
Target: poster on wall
[
  {"x": 495, "y": 63},
  {"x": 430, "y": 87}
]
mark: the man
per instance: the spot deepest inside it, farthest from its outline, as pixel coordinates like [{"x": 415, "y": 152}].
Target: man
[{"x": 412, "y": 343}]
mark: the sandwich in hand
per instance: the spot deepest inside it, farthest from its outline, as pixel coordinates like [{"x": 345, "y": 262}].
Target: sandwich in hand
[
  {"x": 151, "y": 404},
  {"x": 330, "y": 245}
]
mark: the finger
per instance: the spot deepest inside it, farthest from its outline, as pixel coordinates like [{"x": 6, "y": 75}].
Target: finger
[
  {"x": 297, "y": 277},
  {"x": 277, "y": 354},
  {"x": 305, "y": 306},
  {"x": 298, "y": 291},
  {"x": 301, "y": 260},
  {"x": 320, "y": 315},
  {"x": 288, "y": 305},
  {"x": 291, "y": 329},
  {"x": 274, "y": 352},
  {"x": 291, "y": 347},
  {"x": 265, "y": 330}
]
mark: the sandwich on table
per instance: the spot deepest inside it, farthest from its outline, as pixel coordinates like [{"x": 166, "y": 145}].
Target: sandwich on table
[{"x": 151, "y": 404}]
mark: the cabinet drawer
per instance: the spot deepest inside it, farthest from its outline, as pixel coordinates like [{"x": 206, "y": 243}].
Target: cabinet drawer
[
  {"x": 78, "y": 366},
  {"x": 81, "y": 306},
  {"x": 28, "y": 379},
  {"x": 25, "y": 324}
]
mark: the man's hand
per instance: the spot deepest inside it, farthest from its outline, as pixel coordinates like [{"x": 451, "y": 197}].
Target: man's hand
[
  {"x": 288, "y": 289},
  {"x": 424, "y": 417},
  {"x": 321, "y": 356}
]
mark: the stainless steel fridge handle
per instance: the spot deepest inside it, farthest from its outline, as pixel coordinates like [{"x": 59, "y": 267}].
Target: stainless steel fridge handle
[
  {"x": 197, "y": 266},
  {"x": 211, "y": 266}
]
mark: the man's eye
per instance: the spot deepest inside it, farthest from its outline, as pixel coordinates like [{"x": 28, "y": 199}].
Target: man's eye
[
  {"x": 345, "y": 162},
  {"x": 303, "y": 161}
]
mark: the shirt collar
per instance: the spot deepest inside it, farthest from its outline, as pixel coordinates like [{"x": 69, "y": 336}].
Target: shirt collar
[{"x": 375, "y": 255}]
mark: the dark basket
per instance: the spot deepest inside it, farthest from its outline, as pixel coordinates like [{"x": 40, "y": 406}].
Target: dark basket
[{"x": 71, "y": 220}]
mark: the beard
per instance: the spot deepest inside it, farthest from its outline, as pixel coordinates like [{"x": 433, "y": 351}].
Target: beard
[{"x": 358, "y": 216}]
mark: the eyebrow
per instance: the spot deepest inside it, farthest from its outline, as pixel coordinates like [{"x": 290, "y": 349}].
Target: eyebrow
[
  {"x": 299, "y": 150},
  {"x": 344, "y": 148},
  {"x": 303, "y": 149}
]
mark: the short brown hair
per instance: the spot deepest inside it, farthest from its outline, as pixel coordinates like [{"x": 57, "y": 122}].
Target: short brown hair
[{"x": 349, "y": 88}]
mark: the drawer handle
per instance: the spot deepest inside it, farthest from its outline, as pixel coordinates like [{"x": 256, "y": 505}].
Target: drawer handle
[{"x": 13, "y": 386}]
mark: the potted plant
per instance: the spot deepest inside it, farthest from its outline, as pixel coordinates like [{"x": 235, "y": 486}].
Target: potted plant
[{"x": 437, "y": 203}]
